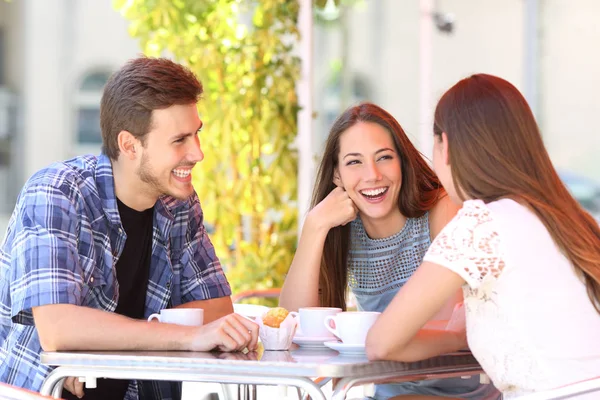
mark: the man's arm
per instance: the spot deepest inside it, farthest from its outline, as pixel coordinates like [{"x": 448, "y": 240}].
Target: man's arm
[
  {"x": 69, "y": 327},
  {"x": 213, "y": 308}
]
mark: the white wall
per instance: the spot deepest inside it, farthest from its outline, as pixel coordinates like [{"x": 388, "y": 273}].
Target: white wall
[
  {"x": 489, "y": 37},
  {"x": 570, "y": 83},
  {"x": 51, "y": 46},
  {"x": 43, "y": 93}
]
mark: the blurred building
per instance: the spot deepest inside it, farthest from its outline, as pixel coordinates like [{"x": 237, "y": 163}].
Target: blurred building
[
  {"x": 547, "y": 48},
  {"x": 56, "y": 55}
]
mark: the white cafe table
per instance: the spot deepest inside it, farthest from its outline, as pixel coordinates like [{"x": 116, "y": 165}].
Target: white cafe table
[{"x": 291, "y": 368}]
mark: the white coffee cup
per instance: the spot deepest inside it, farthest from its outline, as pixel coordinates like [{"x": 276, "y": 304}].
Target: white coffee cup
[
  {"x": 180, "y": 316},
  {"x": 351, "y": 326},
  {"x": 312, "y": 320}
]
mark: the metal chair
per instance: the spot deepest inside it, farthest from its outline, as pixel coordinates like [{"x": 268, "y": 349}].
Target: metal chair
[
  {"x": 10, "y": 392},
  {"x": 256, "y": 293}
]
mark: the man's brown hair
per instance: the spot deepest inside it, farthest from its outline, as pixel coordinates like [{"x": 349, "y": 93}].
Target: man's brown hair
[{"x": 141, "y": 86}]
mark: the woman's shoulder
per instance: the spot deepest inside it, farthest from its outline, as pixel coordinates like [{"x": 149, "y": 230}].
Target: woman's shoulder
[{"x": 440, "y": 214}]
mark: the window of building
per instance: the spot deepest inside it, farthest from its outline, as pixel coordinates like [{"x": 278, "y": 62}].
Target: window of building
[
  {"x": 2, "y": 57},
  {"x": 88, "y": 108}
]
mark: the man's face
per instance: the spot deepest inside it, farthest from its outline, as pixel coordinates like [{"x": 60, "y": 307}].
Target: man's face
[{"x": 171, "y": 150}]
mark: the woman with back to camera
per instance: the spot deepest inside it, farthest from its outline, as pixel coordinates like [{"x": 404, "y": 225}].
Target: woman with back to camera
[
  {"x": 371, "y": 169},
  {"x": 525, "y": 252}
]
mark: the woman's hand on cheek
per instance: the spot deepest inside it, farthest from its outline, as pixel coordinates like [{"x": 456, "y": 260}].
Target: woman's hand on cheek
[{"x": 335, "y": 210}]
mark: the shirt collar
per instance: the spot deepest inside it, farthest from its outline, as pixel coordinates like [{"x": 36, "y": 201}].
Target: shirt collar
[
  {"x": 166, "y": 205},
  {"x": 106, "y": 189}
]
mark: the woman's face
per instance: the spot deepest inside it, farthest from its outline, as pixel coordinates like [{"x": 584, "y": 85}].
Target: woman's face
[{"x": 370, "y": 172}]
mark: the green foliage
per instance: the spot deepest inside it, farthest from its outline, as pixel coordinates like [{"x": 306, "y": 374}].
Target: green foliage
[{"x": 242, "y": 52}]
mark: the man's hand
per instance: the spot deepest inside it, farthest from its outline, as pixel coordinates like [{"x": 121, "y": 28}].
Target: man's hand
[
  {"x": 229, "y": 333},
  {"x": 73, "y": 385},
  {"x": 336, "y": 209}
]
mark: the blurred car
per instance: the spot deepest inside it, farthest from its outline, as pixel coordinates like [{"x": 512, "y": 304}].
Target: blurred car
[{"x": 585, "y": 190}]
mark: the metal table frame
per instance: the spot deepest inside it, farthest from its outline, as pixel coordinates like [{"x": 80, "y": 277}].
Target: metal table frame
[{"x": 207, "y": 367}]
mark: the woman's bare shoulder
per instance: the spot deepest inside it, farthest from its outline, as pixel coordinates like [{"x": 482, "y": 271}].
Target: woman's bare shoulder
[{"x": 441, "y": 213}]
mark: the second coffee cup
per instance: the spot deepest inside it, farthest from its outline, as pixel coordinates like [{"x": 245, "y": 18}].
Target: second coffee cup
[
  {"x": 351, "y": 326},
  {"x": 312, "y": 321}
]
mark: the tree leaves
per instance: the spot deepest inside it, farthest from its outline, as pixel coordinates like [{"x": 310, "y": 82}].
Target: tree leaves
[{"x": 242, "y": 51}]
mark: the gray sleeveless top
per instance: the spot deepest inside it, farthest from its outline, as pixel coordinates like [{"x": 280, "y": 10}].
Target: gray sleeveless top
[{"x": 377, "y": 269}]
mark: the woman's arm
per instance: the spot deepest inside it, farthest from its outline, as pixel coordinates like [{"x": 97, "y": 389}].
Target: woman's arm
[
  {"x": 439, "y": 216},
  {"x": 301, "y": 286},
  {"x": 397, "y": 334}
]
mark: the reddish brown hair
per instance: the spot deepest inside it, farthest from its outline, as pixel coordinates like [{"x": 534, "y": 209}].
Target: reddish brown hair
[
  {"x": 420, "y": 190},
  {"x": 496, "y": 151},
  {"x": 138, "y": 88}
]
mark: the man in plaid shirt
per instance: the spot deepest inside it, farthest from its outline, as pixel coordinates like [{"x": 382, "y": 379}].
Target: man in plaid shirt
[{"x": 97, "y": 244}]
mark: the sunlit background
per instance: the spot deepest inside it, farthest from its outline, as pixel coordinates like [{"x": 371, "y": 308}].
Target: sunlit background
[{"x": 55, "y": 57}]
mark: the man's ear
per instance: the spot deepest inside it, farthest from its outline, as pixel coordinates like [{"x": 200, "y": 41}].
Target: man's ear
[
  {"x": 445, "y": 152},
  {"x": 128, "y": 144}
]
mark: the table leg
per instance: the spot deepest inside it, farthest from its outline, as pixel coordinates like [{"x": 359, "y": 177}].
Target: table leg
[
  {"x": 175, "y": 374},
  {"x": 53, "y": 384},
  {"x": 246, "y": 392},
  {"x": 58, "y": 388},
  {"x": 341, "y": 389}
]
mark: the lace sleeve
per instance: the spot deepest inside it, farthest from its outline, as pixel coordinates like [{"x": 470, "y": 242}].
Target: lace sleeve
[{"x": 469, "y": 245}]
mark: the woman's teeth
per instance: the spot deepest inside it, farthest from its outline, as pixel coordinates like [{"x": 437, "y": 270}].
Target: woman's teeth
[{"x": 372, "y": 193}]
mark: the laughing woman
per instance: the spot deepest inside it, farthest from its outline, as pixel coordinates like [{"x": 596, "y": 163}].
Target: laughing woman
[
  {"x": 524, "y": 251},
  {"x": 371, "y": 169}
]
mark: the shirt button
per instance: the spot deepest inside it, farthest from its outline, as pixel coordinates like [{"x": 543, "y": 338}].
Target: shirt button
[
  {"x": 168, "y": 285},
  {"x": 92, "y": 279}
]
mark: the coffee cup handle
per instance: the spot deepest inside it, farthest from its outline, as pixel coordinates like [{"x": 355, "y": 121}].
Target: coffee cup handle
[
  {"x": 327, "y": 323},
  {"x": 153, "y": 316},
  {"x": 297, "y": 317}
]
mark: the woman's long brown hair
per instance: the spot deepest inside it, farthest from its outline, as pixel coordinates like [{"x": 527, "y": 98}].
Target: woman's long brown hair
[
  {"x": 496, "y": 151},
  {"x": 419, "y": 192}
]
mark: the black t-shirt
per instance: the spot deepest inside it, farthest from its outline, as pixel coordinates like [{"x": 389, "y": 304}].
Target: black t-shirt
[{"x": 132, "y": 274}]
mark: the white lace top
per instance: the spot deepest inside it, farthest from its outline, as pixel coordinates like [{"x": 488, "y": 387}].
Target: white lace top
[{"x": 530, "y": 323}]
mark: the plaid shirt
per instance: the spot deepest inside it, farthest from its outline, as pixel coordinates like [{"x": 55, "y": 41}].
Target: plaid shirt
[{"x": 63, "y": 241}]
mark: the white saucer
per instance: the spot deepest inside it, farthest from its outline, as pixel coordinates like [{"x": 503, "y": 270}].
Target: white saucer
[
  {"x": 343, "y": 348},
  {"x": 311, "y": 342}
]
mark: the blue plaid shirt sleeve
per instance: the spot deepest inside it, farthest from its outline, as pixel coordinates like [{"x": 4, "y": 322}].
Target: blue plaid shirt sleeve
[
  {"x": 202, "y": 276},
  {"x": 44, "y": 261}
]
